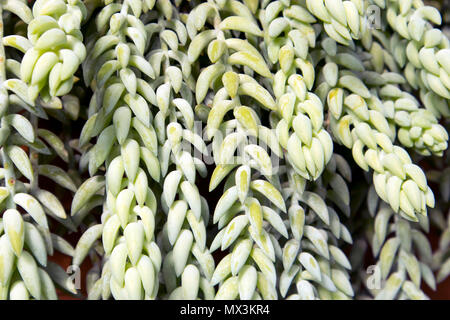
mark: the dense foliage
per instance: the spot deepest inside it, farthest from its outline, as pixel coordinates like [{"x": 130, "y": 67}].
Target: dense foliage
[{"x": 224, "y": 149}]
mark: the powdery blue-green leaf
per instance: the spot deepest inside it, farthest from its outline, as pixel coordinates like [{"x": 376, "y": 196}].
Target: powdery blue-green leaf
[
  {"x": 32, "y": 207},
  {"x": 21, "y": 161},
  {"x": 58, "y": 175},
  {"x": 88, "y": 189},
  {"x": 317, "y": 204},
  {"x": 85, "y": 243}
]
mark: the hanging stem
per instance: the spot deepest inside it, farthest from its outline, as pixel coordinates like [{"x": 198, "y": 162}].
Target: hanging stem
[
  {"x": 34, "y": 155},
  {"x": 10, "y": 178}
]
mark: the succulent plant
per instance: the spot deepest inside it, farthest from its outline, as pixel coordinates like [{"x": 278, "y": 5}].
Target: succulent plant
[{"x": 224, "y": 149}]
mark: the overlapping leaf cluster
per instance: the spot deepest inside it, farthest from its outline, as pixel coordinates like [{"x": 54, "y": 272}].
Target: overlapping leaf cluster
[{"x": 213, "y": 149}]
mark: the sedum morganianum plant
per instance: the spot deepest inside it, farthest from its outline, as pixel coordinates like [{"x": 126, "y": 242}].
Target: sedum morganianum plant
[
  {"x": 27, "y": 153},
  {"x": 224, "y": 149},
  {"x": 121, "y": 121}
]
